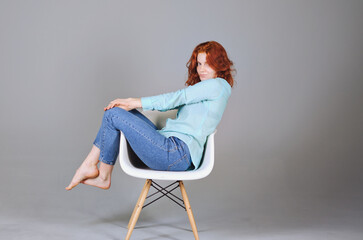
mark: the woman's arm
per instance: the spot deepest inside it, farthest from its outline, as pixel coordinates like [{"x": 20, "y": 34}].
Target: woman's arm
[
  {"x": 125, "y": 103},
  {"x": 202, "y": 91},
  {"x": 205, "y": 90}
]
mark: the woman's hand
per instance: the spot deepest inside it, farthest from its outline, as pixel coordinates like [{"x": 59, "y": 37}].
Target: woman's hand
[{"x": 126, "y": 103}]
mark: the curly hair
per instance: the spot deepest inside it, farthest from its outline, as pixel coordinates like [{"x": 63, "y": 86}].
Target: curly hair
[{"x": 216, "y": 58}]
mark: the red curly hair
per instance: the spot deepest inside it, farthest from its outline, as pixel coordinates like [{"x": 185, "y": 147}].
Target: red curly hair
[{"x": 216, "y": 58}]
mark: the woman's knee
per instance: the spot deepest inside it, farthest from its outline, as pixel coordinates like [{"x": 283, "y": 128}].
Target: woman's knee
[{"x": 116, "y": 111}]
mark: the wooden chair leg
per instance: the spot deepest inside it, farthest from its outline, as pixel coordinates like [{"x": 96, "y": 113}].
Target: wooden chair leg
[
  {"x": 189, "y": 210},
  {"x": 137, "y": 204},
  {"x": 137, "y": 210}
]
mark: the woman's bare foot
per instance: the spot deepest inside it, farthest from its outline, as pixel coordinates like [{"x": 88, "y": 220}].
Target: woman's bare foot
[
  {"x": 88, "y": 169},
  {"x": 104, "y": 183},
  {"x": 103, "y": 180},
  {"x": 85, "y": 171}
]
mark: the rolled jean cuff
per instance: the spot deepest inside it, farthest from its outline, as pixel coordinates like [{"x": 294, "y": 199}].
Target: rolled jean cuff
[
  {"x": 97, "y": 145},
  {"x": 103, "y": 160},
  {"x": 107, "y": 162}
]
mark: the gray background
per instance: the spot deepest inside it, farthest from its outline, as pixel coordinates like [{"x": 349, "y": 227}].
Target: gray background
[{"x": 289, "y": 148}]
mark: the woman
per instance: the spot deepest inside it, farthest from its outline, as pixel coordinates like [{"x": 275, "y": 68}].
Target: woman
[{"x": 179, "y": 145}]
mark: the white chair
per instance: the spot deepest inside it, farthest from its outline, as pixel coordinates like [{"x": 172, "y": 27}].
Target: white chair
[{"x": 133, "y": 166}]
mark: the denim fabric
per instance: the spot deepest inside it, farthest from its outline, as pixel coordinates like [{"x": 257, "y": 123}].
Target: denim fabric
[{"x": 155, "y": 150}]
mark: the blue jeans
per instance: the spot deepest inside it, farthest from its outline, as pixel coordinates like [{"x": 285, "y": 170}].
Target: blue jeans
[{"x": 155, "y": 150}]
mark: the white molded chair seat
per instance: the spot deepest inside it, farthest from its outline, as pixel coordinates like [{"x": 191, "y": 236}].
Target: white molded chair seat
[{"x": 129, "y": 162}]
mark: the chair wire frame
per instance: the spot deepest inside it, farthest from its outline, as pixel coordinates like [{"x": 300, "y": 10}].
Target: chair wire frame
[{"x": 165, "y": 193}]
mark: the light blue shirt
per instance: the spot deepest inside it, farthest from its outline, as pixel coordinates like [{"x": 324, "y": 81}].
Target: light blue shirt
[{"x": 200, "y": 109}]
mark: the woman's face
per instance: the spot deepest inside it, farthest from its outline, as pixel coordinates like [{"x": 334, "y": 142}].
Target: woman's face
[{"x": 205, "y": 72}]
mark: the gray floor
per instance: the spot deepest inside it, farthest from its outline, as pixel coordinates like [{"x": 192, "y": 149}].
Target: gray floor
[
  {"x": 231, "y": 226},
  {"x": 59, "y": 214}
]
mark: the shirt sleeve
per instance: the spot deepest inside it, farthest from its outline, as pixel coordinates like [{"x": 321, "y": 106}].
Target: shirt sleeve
[{"x": 202, "y": 91}]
